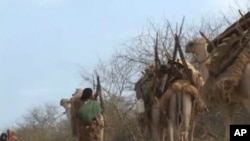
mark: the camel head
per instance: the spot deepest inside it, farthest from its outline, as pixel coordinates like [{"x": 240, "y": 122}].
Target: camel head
[
  {"x": 77, "y": 93},
  {"x": 196, "y": 46},
  {"x": 65, "y": 103}
]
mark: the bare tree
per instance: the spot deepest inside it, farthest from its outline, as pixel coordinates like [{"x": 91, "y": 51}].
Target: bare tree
[{"x": 43, "y": 123}]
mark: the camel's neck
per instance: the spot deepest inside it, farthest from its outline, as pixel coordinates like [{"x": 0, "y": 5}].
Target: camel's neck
[
  {"x": 202, "y": 54},
  {"x": 67, "y": 111},
  {"x": 68, "y": 114},
  {"x": 201, "y": 57}
]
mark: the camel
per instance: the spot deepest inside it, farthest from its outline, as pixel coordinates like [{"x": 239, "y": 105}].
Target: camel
[
  {"x": 83, "y": 132},
  {"x": 240, "y": 94},
  {"x": 164, "y": 112},
  {"x": 151, "y": 129}
]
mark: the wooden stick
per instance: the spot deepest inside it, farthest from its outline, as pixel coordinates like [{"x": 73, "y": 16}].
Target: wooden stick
[
  {"x": 241, "y": 13},
  {"x": 157, "y": 60},
  {"x": 211, "y": 44},
  {"x": 99, "y": 92},
  {"x": 204, "y": 36},
  {"x": 243, "y": 23}
]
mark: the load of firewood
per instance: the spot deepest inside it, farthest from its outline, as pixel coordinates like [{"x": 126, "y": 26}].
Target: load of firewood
[
  {"x": 229, "y": 45},
  {"x": 229, "y": 54},
  {"x": 237, "y": 28},
  {"x": 157, "y": 78}
]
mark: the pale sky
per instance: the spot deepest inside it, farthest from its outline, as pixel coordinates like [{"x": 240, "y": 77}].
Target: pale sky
[{"x": 44, "y": 42}]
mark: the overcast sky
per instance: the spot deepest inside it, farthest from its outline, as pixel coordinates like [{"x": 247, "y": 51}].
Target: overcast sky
[{"x": 44, "y": 42}]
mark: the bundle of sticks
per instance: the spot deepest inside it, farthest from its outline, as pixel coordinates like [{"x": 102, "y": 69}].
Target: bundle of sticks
[
  {"x": 237, "y": 28},
  {"x": 229, "y": 44}
]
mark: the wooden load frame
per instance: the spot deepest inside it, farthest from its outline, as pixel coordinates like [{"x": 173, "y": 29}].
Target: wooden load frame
[
  {"x": 176, "y": 70},
  {"x": 236, "y": 37}
]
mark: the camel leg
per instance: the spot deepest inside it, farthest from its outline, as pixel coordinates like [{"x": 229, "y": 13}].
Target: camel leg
[
  {"x": 102, "y": 128},
  {"x": 162, "y": 133},
  {"x": 172, "y": 117},
  {"x": 145, "y": 129},
  {"x": 227, "y": 113},
  {"x": 187, "y": 110},
  {"x": 191, "y": 134},
  {"x": 156, "y": 115},
  {"x": 245, "y": 82},
  {"x": 244, "y": 86},
  {"x": 145, "y": 133},
  {"x": 149, "y": 133},
  {"x": 101, "y": 134}
]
